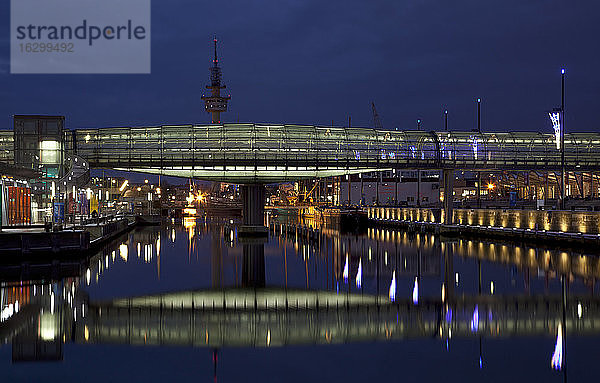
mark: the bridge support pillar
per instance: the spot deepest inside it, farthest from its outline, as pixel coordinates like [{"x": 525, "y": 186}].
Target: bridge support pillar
[
  {"x": 253, "y": 234},
  {"x": 253, "y": 265},
  {"x": 448, "y": 179},
  {"x": 253, "y": 200}
]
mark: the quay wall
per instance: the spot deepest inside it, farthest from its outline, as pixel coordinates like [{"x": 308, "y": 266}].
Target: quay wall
[{"x": 562, "y": 221}]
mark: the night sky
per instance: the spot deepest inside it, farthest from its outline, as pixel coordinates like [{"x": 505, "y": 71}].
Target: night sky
[{"x": 314, "y": 62}]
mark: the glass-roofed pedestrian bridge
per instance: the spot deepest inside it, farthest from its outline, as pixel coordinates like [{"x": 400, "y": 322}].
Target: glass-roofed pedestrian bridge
[{"x": 262, "y": 153}]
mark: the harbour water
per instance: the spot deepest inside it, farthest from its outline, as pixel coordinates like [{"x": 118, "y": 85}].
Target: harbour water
[{"x": 172, "y": 303}]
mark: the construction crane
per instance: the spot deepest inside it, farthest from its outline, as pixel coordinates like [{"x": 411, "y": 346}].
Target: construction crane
[{"x": 376, "y": 120}]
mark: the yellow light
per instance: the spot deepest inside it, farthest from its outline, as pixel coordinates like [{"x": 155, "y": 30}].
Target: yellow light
[
  {"x": 443, "y": 292},
  {"x": 491, "y": 186},
  {"x": 189, "y": 211},
  {"x": 146, "y": 181},
  {"x": 139, "y": 189},
  {"x": 124, "y": 185},
  {"x": 123, "y": 251},
  {"x": 157, "y": 190},
  {"x": 189, "y": 198}
]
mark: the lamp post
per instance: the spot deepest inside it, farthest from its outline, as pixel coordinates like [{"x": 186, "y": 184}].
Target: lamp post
[
  {"x": 479, "y": 115},
  {"x": 446, "y": 120},
  {"x": 418, "y": 173},
  {"x": 479, "y": 173},
  {"x": 562, "y": 138}
]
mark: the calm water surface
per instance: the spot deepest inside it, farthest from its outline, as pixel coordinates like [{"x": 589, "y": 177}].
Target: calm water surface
[{"x": 184, "y": 302}]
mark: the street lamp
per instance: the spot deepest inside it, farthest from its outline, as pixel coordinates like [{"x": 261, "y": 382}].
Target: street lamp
[
  {"x": 557, "y": 116},
  {"x": 446, "y": 120},
  {"x": 562, "y": 137},
  {"x": 479, "y": 115}
]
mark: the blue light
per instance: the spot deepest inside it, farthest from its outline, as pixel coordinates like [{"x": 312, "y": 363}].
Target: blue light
[
  {"x": 475, "y": 146},
  {"x": 359, "y": 274},
  {"x": 346, "y": 270},
  {"x": 392, "y": 292},
  {"x": 413, "y": 151},
  {"x": 480, "y": 362},
  {"x": 415, "y": 294},
  {"x": 555, "y": 118},
  {"x": 478, "y": 100},
  {"x": 557, "y": 356},
  {"x": 562, "y": 71},
  {"x": 475, "y": 319},
  {"x": 449, "y": 316}
]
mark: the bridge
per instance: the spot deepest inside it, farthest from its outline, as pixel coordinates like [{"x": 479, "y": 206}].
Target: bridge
[{"x": 264, "y": 153}]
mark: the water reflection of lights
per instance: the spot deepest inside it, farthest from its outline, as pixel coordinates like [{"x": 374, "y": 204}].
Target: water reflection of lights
[
  {"x": 158, "y": 246},
  {"x": 475, "y": 319},
  {"x": 557, "y": 356},
  {"x": 359, "y": 274},
  {"x": 392, "y": 292},
  {"x": 449, "y": 318},
  {"x": 123, "y": 251},
  {"x": 9, "y": 311},
  {"x": 346, "y": 270},
  {"x": 443, "y": 292},
  {"x": 47, "y": 326},
  {"x": 415, "y": 293}
]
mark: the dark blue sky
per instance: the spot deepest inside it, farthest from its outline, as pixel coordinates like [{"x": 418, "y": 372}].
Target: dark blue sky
[{"x": 311, "y": 62}]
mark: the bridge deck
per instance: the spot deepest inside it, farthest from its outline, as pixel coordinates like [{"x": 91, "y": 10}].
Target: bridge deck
[{"x": 270, "y": 153}]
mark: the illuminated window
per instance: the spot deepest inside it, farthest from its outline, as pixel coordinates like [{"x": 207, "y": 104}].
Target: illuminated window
[{"x": 49, "y": 152}]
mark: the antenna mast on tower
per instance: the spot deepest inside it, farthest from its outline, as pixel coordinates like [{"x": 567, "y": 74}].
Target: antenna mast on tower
[{"x": 215, "y": 103}]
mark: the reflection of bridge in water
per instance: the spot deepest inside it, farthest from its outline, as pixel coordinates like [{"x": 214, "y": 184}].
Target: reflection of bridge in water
[{"x": 277, "y": 317}]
